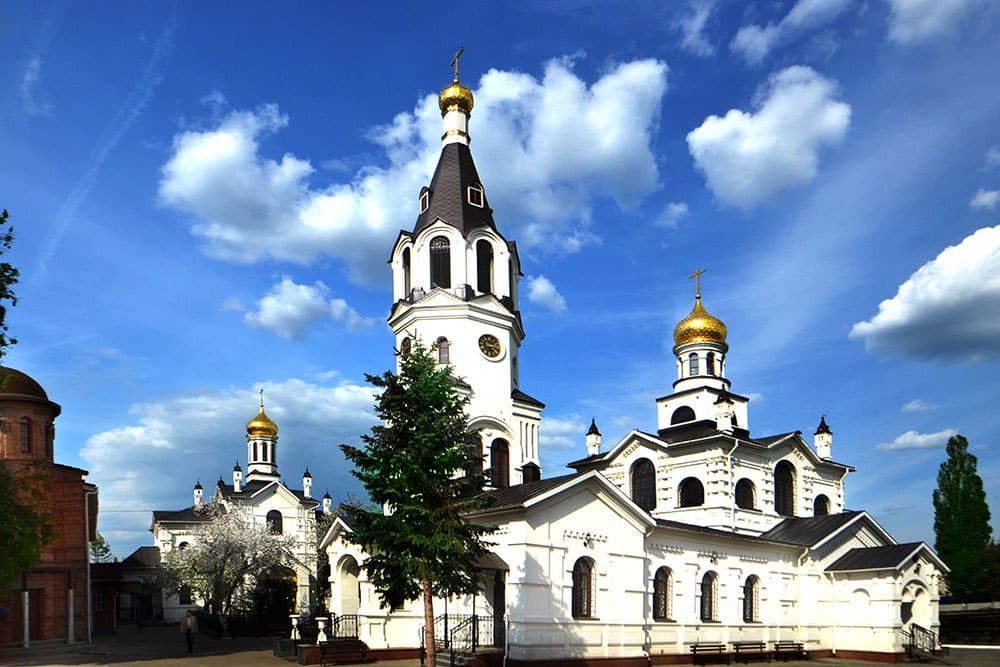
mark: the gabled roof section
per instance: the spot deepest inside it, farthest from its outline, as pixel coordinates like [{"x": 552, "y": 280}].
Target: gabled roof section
[
  {"x": 449, "y": 200},
  {"x": 143, "y": 557},
  {"x": 611, "y": 453},
  {"x": 336, "y": 528},
  {"x": 514, "y": 497},
  {"x": 795, "y": 438},
  {"x": 810, "y": 531},
  {"x": 890, "y": 557},
  {"x": 251, "y": 489}
]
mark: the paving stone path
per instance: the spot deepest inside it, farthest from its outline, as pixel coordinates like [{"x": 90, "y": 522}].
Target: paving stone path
[{"x": 164, "y": 647}]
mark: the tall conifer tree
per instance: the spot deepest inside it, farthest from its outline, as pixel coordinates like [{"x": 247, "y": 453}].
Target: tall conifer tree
[
  {"x": 410, "y": 465},
  {"x": 961, "y": 519}
]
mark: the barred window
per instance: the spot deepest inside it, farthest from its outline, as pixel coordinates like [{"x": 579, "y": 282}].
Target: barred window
[
  {"x": 709, "y": 593},
  {"x": 583, "y": 589},
  {"x": 662, "y": 589},
  {"x": 644, "y": 484}
]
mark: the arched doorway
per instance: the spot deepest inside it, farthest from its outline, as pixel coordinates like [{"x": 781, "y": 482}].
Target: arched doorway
[
  {"x": 915, "y": 605},
  {"x": 350, "y": 589}
]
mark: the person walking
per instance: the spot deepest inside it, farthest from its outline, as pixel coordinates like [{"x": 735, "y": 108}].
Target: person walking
[{"x": 189, "y": 626}]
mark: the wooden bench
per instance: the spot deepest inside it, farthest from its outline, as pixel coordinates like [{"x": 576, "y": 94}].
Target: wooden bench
[
  {"x": 341, "y": 651},
  {"x": 748, "y": 650},
  {"x": 706, "y": 652},
  {"x": 789, "y": 650}
]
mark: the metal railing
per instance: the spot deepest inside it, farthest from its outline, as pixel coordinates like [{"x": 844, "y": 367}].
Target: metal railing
[
  {"x": 344, "y": 626},
  {"x": 919, "y": 640}
]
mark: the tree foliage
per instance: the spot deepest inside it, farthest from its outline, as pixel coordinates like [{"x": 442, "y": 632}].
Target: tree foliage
[
  {"x": 8, "y": 278},
  {"x": 225, "y": 553},
  {"x": 100, "y": 550},
  {"x": 961, "y": 520},
  {"x": 409, "y": 465},
  {"x": 24, "y": 527}
]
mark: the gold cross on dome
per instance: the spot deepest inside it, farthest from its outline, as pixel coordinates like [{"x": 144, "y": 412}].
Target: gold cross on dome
[
  {"x": 261, "y": 398},
  {"x": 697, "y": 282},
  {"x": 454, "y": 61}
]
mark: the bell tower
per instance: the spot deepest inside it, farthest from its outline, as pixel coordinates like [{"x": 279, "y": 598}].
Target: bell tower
[
  {"x": 262, "y": 447},
  {"x": 701, "y": 390},
  {"x": 455, "y": 289}
]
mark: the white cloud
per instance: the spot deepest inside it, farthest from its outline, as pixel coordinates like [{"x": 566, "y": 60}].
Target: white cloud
[
  {"x": 233, "y": 304},
  {"x": 29, "y": 95},
  {"x": 918, "y": 405},
  {"x": 754, "y": 42},
  {"x": 692, "y": 26},
  {"x": 672, "y": 214},
  {"x": 949, "y": 309},
  {"x": 992, "y": 158},
  {"x": 914, "y": 440},
  {"x": 756, "y": 397},
  {"x": 562, "y": 433},
  {"x": 543, "y": 167},
  {"x": 542, "y": 292},
  {"x": 288, "y": 308},
  {"x": 154, "y": 461},
  {"x": 917, "y": 20},
  {"x": 985, "y": 199},
  {"x": 746, "y": 157}
]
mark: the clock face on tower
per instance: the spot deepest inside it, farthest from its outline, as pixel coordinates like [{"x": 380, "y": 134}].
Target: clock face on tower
[{"x": 490, "y": 346}]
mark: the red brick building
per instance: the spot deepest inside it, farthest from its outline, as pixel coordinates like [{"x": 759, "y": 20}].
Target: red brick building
[{"x": 48, "y": 602}]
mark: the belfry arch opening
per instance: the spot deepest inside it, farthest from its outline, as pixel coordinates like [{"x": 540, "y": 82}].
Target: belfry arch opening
[
  {"x": 440, "y": 262},
  {"x": 484, "y": 266}
]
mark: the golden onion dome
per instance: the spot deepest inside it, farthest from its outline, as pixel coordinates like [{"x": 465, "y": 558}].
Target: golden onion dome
[
  {"x": 700, "y": 326},
  {"x": 456, "y": 95},
  {"x": 262, "y": 424}
]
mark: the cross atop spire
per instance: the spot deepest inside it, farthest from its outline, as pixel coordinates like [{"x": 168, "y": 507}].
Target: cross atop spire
[
  {"x": 262, "y": 398},
  {"x": 697, "y": 282},
  {"x": 454, "y": 61}
]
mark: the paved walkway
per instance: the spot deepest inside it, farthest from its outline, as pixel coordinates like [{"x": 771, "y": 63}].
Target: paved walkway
[{"x": 164, "y": 647}]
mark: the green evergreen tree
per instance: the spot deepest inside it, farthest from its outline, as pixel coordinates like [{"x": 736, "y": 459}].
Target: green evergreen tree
[
  {"x": 961, "y": 520},
  {"x": 419, "y": 546}
]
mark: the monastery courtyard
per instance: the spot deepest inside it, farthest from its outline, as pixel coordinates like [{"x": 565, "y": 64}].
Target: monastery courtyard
[{"x": 164, "y": 647}]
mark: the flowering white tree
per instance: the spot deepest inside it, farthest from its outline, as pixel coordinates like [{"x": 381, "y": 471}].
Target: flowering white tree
[{"x": 226, "y": 552}]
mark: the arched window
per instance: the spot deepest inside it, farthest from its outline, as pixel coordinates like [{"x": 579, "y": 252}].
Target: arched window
[
  {"x": 644, "y": 484},
  {"x": 484, "y": 266},
  {"x": 707, "y": 606},
  {"x": 821, "y": 506},
  {"x": 693, "y": 364},
  {"x": 682, "y": 414},
  {"x": 274, "y": 522},
  {"x": 745, "y": 493},
  {"x": 691, "y": 493},
  {"x": 710, "y": 363},
  {"x": 440, "y": 262},
  {"x": 25, "y": 434},
  {"x": 662, "y": 590},
  {"x": 500, "y": 464},
  {"x": 784, "y": 488},
  {"x": 406, "y": 273},
  {"x": 443, "y": 350},
  {"x": 751, "y": 599},
  {"x": 583, "y": 589},
  {"x": 182, "y": 546}
]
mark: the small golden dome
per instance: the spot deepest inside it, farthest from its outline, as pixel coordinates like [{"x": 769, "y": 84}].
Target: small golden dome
[
  {"x": 700, "y": 326},
  {"x": 262, "y": 424},
  {"x": 456, "y": 95}
]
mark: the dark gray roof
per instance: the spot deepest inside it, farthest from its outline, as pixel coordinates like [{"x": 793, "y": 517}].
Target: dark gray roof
[
  {"x": 704, "y": 530},
  {"x": 455, "y": 172},
  {"x": 516, "y": 496},
  {"x": 768, "y": 440},
  {"x": 519, "y": 395},
  {"x": 807, "y": 531},
  {"x": 188, "y": 514},
  {"x": 249, "y": 488},
  {"x": 143, "y": 557},
  {"x": 874, "y": 558}
]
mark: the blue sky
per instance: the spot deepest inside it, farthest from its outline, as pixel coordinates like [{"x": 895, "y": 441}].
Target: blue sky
[{"x": 204, "y": 202}]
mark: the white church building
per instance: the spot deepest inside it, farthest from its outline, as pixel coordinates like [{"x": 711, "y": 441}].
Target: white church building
[
  {"x": 695, "y": 532},
  {"x": 265, "y": 500}
]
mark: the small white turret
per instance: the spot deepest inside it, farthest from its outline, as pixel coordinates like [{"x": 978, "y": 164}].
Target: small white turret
[
  {"x": 327, "y": 503},
  {"x": 593, "y": 439},
  {"x": 237, "y": 477},
  {"x": 823, "y": 440},
  {"x": 198, "y": 494},
  {"x": 307, "y": 483}
]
